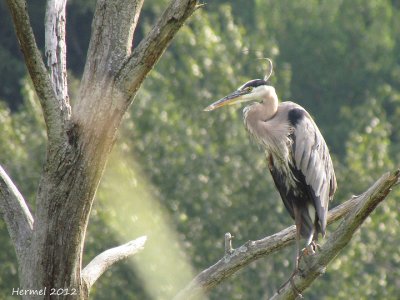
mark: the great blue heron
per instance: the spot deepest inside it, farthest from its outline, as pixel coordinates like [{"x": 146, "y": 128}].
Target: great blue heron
[{"x": 297, "y": 155}]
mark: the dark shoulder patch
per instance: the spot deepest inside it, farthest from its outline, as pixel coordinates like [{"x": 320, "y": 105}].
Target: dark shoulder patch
[
  {"x": 295, "y": 115},
  {"x": 253, "y": 83}
]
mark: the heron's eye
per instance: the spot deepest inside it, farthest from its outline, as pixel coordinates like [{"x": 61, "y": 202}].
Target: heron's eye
[{"x": 249, "y": 88}]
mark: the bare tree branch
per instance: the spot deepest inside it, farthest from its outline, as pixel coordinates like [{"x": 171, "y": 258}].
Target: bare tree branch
[
  {"x": 106, "y": 259},
  {"x": 112, "y": 74},
  {"x": 150, "y": 49},
  {"x": 56, "y": 52},
  {"x": 16, "y": 215},
  {"x": 36, "y": 69},
  {"x": 354, "y": 212}
]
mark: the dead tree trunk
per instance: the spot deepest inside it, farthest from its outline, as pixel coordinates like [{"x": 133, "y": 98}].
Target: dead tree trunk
[{"x": 49, "y": 244}]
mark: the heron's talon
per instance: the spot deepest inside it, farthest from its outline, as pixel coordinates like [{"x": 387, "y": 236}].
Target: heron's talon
[
  {"x": 306, "y": 252},
  {"x": 311, "y": 249}
]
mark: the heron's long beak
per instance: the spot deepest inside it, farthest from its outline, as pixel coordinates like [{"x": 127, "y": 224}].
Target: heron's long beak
[{"x": 235, "y": 97}]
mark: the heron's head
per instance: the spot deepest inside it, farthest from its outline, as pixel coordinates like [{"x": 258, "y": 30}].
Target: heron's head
[{"x": 256, "y": 89}]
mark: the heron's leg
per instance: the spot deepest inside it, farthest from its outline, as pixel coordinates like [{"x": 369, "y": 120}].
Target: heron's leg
[
  {"x": 310, "y": 248},
  {"x": 315, "y": 238},
  {"x": 298, "y": 254},
  {"x": 311, "y": 244}
]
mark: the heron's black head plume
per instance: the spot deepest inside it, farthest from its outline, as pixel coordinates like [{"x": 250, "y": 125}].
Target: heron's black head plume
[
  {"x": 253, "y": 83},
  {"x": 257, "y": 82},
  {"x": 270, "y": 69}
]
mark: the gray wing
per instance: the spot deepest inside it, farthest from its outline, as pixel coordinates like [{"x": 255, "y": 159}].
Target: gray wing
[{"x": 310, "y": 155}]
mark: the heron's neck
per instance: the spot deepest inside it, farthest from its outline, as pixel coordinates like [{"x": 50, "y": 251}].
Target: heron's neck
[
  {"x": 268, "y": 107},
  {"x": 260, "y": 112}
]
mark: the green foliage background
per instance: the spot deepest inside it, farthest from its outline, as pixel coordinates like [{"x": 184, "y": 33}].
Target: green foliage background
[{"x": 339, "y": 59}]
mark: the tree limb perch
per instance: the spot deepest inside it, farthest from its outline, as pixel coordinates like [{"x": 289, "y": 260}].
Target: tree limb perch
[
  {"x": 367, "y": 202},
  {"x": 16, "y": 213},
  {"x": 354, "y": 212},
  {"x": 106, "y": 259}
]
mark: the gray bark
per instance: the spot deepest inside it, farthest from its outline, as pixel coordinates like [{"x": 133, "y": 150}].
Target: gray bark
[{"x": 80, "y": 137}]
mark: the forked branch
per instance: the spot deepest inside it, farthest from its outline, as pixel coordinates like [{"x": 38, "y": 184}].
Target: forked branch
[
  {"x": 113, "y": 27},
  {"x": 16, "y": 214},
  {"x": 354, "y": 212},
  {"x": 37, "y": 69},
  {"x": 106, "y": 259},
  {"x": 112, "y": 73},
  {"x": 150, "y": 49}
]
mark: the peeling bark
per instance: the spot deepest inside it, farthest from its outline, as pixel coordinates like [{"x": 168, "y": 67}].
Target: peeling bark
[{"x": 56, "y": 53}]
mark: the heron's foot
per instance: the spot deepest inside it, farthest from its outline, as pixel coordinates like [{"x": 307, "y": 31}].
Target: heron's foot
[
  {"x": 311, "y": 249},
  {"x": 291, "y": 281},
  {"x": 316, "y": 245}
]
